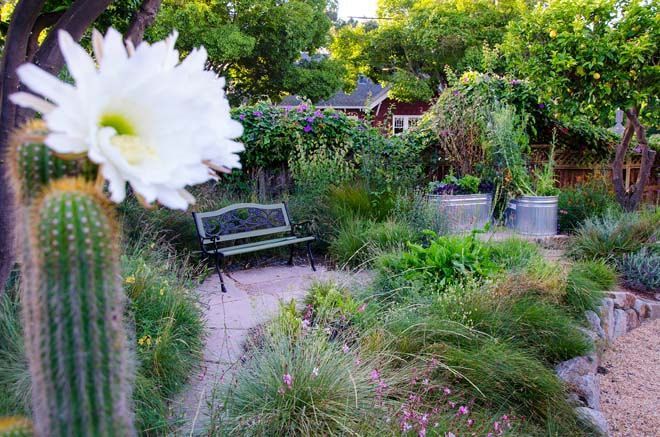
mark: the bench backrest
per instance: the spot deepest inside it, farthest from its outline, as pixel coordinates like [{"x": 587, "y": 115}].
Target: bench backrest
[{"x": 242, "y": 220}]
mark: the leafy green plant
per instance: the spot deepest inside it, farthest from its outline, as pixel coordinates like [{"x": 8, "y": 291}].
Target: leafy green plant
[
  {"x": 590, "y": 199},
  {"x": 446, "y": 261},
  {"x": 469, "y": 184},
  {"x": 641, "y": 270}
]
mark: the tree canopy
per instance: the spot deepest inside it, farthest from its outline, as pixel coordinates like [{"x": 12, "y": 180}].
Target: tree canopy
[
  {"x": 590, "y": 57},
  {"x": 256, "y": 44},
  {"x": 413, "y": 41}
]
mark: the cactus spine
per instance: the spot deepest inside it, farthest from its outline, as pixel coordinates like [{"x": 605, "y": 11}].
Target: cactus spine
[
  {"x": 77, "y": 344},
  {"x": 33, "y": 165}
]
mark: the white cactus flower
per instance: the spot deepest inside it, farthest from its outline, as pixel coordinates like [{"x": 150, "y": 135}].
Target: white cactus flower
[{"x": 143, "y": 116}]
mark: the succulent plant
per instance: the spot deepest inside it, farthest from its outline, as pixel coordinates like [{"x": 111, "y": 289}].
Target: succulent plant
[{"x": 73, "y": 310}]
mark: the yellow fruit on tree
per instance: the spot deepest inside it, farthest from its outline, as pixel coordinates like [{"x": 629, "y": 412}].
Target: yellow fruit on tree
[
  {"x": 596, "y": 76},
  {"x": 553, "y": 33}
]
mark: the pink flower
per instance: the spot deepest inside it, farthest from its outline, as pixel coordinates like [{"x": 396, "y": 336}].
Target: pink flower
[
  {"x": 345, "y": 348},
  {"x": 497, "y": 426},
  {"x": 463, "y": 410},
  {"x": 361, "y": 308},
  {"x": 280, "y": 390},
  {"x": 288, "y": 380},
  {"x": 358, "y": 361},
  {"x": 406, "y": 426},
  {"x": 446, "y": 391},
  {"x": 470, "y": 422},
  {"x": 422, "y": 432},
  {"x": 375, "y": 376}
]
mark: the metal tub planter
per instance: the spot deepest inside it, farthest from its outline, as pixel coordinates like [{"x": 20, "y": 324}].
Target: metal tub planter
[
  {"x": 464, "y": 212},
  {"x": 533, "y": 215}
]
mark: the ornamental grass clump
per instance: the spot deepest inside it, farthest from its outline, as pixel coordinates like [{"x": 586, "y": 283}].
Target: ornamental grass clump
[
  {"x": 301, "y": 386},
  {"x": 612, "y": 235},
  {"x": 586, "y": 284}
]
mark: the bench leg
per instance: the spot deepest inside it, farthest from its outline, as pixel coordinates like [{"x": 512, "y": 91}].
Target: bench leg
[
  {"x": 309, "y": 254},
  {"x": 290, "y": 255},
  {"x": 218, "y": 269}
]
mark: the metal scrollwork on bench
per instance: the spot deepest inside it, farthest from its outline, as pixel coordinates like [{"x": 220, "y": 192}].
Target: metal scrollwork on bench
[{"x": 243, "y": 220}]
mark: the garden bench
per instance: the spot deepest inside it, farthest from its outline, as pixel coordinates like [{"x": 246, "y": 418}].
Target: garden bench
[{"x": 248, "y": 221}]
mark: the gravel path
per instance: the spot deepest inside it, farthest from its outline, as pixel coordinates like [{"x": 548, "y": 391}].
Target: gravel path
[{"x": 630, "y": 390}]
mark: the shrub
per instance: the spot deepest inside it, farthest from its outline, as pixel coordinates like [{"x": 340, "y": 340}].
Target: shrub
[
  {"x": 641, "y": 270},
  {"x": 446, "y": 261},
  {"x": 307, "y": 386},
  {"x": 591, "y": 199},
  {"x": 358, "y": 242}
]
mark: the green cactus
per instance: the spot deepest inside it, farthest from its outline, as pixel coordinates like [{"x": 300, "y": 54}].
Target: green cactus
[
  {"x": 73, "y": 303},
  {"x": 33, "y": 165}
]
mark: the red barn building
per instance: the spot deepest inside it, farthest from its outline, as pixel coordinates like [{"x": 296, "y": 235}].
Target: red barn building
[{"x": 369, "y": 97}]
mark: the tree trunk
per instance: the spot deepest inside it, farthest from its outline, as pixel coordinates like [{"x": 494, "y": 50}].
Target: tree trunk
[
  {"x": 142, "y": 19},
  {"x": 15, "y": 51},
  {"x": 629, "y": 198}
]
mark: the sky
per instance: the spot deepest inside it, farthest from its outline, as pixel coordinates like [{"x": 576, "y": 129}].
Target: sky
[{"x": 357, "y": 8}]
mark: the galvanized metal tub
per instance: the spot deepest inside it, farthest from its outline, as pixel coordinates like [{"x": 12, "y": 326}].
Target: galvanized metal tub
[
  {"x": 533, "y": 215},
  {"x": 464, "y": 212}
]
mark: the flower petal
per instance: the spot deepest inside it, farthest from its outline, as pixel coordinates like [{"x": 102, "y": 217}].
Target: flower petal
[
  {"x": 44, "y": 83},
  {"x": 27, "y": 100},
  {"x": 79, "y": 63}
]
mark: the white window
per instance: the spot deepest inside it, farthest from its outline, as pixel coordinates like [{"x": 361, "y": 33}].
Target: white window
[{"x": 402, "y": 123}]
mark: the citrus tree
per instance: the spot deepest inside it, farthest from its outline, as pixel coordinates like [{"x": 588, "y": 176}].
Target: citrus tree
[{"x": 590, "y": 57}]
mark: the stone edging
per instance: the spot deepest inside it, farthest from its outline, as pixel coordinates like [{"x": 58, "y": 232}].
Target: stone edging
[{"x": 619, "y": 313}]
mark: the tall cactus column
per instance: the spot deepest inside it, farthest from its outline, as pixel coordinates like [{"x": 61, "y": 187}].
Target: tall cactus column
[{"x": 73, "y": 301}]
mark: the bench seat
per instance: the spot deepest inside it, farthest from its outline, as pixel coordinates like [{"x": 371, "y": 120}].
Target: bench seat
[
  {"x": 217, "y": 230},
  {"x": 261, "y": 245}
]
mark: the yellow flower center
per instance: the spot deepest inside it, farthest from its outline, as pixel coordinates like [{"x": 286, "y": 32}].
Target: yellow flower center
[{"x": 133, "y": 149}]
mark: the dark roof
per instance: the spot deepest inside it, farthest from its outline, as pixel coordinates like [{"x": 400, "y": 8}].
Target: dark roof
[{"x": 366, "y": 94}]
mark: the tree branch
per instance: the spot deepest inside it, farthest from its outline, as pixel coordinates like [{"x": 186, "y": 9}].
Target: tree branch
[
  {"x": 75, "y": 20},
  {"x": 43, "y": 21},
  {"x": 617, "y": 164},
  {"x": 142, "y": 18}
]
